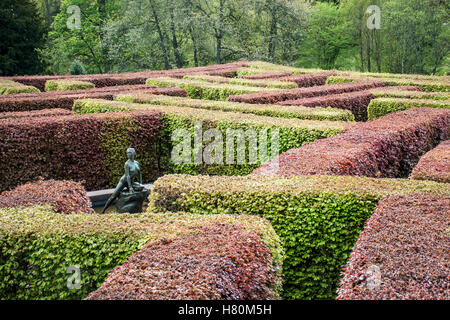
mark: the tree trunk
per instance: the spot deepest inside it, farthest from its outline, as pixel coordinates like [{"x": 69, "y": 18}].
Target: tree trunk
[
  {"x": 219, "y": 32},
  {"x": 160, "y": 34},
  {"x": 194, "y": 45},
  {"x": 102, "y": 12},
  {"x": 273, "y": 32},
  {"x": 176, "y": 50}
]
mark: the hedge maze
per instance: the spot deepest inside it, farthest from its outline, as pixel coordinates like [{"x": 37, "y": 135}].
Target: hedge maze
[{"x": 339, "y": 176}]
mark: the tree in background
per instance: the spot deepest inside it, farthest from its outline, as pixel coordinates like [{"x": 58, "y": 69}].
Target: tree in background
[
  {"x": 22, "y": 33},
  {"x": 327, "y": 35}
]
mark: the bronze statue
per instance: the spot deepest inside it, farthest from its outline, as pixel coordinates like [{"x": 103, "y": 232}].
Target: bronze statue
[{"x": 132, "y": 200}]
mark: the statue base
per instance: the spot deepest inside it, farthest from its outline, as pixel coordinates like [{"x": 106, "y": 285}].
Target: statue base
[{"x": 129, "y": 202}]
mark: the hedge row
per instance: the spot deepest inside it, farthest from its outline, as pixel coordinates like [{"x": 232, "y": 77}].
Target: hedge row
[
  {"x": 107, "y": 80},
  {"x": 267, "y": 66},
  {"x": 434, "y": 165},
  {"x": 65, "y": 99},
  {"x": 398, "y": 92},
  {"x": 256, "y": 75},
  {"x": 244, "y": 82},
  {"x": 309, "y": 80},
  {"x": 35, "y": 114},
  {"x": 387, "y": 147},
  {"x": 218, "y": 262},
  {"x": 292, "y": 133},
  {"x": 11, "y": 87},
  {"x": 356, "y": 102},
  {"x": 397, "y": 75},
  {"x": 318, "y": 218},
  {"x": 425, "y": 85},
  {"x": 39, "y": 247},
  {"x": 300, "y": 93},
  {"x": 204, "y": 90},
  {"x": 63, "y": 196},
  {"x": 402, "y": 254},
  {"x": 88, "y": 148},
  {"x": 65, "y": 85},
  {"x": 382, "y": 106},
  {"x": 304, "y": 113}
]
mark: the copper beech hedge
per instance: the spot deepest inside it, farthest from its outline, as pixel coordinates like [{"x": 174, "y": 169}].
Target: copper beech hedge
[
  {"x": 65, "y": 99},
  {"x": 109, "y": 80},
  {"x": 318, "y": 218},
  {"x": 299, "y": 93},
  {"x": 38, "y": 246},
  {"x": 434, "y": 165},
  {"x": 78, "y": 147},
  {"x": 402, "y": 254},
  {"x": 218, "y": 262},
  {"x": 387, "y": 147},
  {"x": 35, "y": 114},
  {"x": 309, "y": 80},
  {"x": 356, "y": 102},
  {"x": 63, "y": 196}
]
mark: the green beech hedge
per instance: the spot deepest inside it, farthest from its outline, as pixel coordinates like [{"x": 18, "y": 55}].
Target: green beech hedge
[
  {"x": 244, "y": 82},
  {"x": 293, "y": 133},
  {"x": 318, "y": 218},
  {"x": 382, "y": 106},
  {"x": 380, "y": 93},
  {"x": 11, "y": 87},
  {"x": 38, "y": 246},
  {"x": 204, "y": 90},
  {"x": 299, "y": 112},
  {"x": 425, "y": 85},
  {"x": 64, "y": 85}
]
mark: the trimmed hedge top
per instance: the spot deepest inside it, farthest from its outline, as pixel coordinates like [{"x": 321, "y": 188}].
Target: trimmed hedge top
[
  {"x": 94, "y": 243},
  {"x": 382, "y": 106},
  {"x": 299, "y": 112},
  {"x": 35, "y": 114},
  {"x": 65, "y": 85},
  {"x": 10, "y": 87},
  {"x": 434, "y": 165},
  {"x": 388, "y": 147},
  {"x": 318, "y": 218},
  {"x": 64, "y": 196},
  {"x": 204, "y": 90},
  {"x": 425, "y": 85},
  {"x": 173, "y": 186},
  {"x": 383, "y": 93},
  {"x": 219, "y": 261},
  {"x": 96, "y": 105},
  {"x": 402, "y": 254},
  {"x": 300, "y": 93},
  {"x": 243, "y": 82}
]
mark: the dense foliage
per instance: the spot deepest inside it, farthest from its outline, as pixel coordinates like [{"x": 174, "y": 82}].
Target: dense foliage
[
  {"x": 407, "y": 240},
  {"x": 63, "y": 196},
  {"x": 65, "y": 99},
  {"x": 300, "y": 93},
  {"x": 292, "y": 133},
  {"x": 23, "y": 32},
  {"x": 38, "y": 246},
  {"x": 218, "y": 262},
  {"x": 299, "y": 112},
  {"x": 434, "y": 165},
  {"x": 387, "y": 147},
  {"x": 382, "y": 106},
  {"x": 88, "y": 148},
  {"x": 318, "y": 218}
]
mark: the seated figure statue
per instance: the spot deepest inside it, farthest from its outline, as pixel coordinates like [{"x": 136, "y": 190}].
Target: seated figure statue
[{"x": 131, "y": 194}]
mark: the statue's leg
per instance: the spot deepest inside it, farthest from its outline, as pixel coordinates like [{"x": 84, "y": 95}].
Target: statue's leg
[{"x": 120, "y": 186}]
